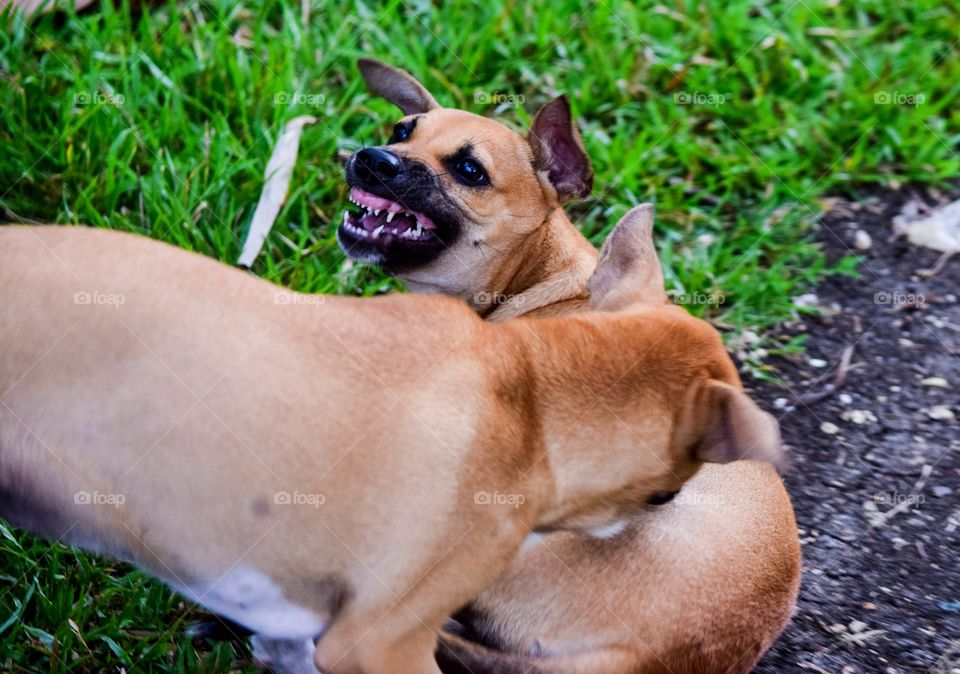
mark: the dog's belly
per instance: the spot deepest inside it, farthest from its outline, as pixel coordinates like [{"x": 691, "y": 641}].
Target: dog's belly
[{"x": 253, "y": 599}]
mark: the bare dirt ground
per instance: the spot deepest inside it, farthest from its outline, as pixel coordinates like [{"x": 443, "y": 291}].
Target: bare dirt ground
[{"x": 876, "y": 474}]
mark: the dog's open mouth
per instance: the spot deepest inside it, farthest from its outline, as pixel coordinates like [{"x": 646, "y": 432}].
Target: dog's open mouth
[{"x": 384, "y": 222}]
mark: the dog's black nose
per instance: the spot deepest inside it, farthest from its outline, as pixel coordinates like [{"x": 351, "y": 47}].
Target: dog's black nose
[{"x": 377, "y": 163}]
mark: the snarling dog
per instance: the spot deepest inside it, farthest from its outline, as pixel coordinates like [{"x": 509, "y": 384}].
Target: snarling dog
[
  {"x": 338, "y": 471},
  {"x": 702, "y": 583}
]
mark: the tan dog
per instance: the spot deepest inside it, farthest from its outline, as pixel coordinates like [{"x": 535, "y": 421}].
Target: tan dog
[
  {"x": 701, "y": 584},
  {"x": 332, "y": 468}
]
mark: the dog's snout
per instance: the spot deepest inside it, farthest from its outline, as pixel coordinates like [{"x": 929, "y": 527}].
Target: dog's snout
[{"x": 377, "y": 163}]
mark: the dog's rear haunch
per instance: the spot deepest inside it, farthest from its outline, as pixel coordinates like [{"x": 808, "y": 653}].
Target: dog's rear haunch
[{"x": 352, "y": 470}]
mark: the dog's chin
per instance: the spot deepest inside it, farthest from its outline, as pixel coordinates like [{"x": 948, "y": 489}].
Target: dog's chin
[{"x": 388, "y": 233}]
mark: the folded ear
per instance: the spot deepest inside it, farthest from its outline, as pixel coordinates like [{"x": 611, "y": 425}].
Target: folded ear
[
  {"x": 558, "y": 151},
  {"x": 731, "y": 427},
  {"x": 397, "y": 86},
  {"x": 628, "y": 271}
]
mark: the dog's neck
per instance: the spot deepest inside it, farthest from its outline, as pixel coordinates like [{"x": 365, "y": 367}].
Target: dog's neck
[
  {"x": 583, "y": 434},
  {"x": 549, "y": 274},
  {"x": 545, "y": 273}
]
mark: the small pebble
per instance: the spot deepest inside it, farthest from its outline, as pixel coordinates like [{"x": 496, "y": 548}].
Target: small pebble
[
  {"x": 941, "y": 413},
  {"x": 862, "y": 240},
  {"x": 858, "y": 416},
  {"x": 939, "y": 382},
  {"x": 941, "y": 490},
  {"x": 817, "y": 362},
  {"x": 829, "y": 428},
  {"x": 806, "y": 300},
  {"x": 846, "y": 398},
  {"x": 779, "y": 403}
]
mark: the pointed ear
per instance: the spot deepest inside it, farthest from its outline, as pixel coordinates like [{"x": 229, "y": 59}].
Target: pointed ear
[
  {"x": 628, "y": 271},
  {"x": 731, "y": 427},
  {"x": 558, "y": 151},
  {"x": 397, "y": 86}
]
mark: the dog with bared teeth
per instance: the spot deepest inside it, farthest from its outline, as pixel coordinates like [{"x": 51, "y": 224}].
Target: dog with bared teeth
[{"x": 700, "y": 582}]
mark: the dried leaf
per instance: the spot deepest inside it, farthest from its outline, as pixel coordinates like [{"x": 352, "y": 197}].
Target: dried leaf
[
  {"x": 940, "y": 230},
  {"x": 277, "y": 175}
]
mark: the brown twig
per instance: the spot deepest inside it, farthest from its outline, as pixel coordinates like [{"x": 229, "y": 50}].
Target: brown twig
[
  {"x": 940, "y": 263},
  {"x": 838, "y": 380}
]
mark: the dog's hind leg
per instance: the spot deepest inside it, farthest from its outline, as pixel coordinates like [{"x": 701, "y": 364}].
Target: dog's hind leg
[{"x": 456, "y": 655}]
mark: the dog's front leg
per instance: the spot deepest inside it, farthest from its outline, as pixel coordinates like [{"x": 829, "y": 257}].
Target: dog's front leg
[
  {"x": 284, "y": 656},
  {"x": 363, "y": 648}
]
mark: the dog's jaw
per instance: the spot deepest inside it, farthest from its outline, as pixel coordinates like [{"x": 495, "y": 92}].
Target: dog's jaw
[
  {"x": 381, "y": 218},
  {"x": 397, "y": 227}
]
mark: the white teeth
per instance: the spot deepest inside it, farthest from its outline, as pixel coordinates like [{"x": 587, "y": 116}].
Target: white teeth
[
  {"x": 376, "y": 211},
  {"x": 390, "y": 216},
  {"x": 377, "y": 231},
  {"x": 346, "y": 217}
]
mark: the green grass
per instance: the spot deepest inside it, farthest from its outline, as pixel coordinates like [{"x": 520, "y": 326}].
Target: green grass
[{"x": 163, "y": 124}]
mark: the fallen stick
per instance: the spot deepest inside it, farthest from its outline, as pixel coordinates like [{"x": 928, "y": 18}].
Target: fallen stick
[
  {"x": 838, "y": 380},
  {"x": 940, "y": 263}
]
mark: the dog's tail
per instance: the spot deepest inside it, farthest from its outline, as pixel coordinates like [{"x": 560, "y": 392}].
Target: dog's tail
[{"x": 456, "y": 655}]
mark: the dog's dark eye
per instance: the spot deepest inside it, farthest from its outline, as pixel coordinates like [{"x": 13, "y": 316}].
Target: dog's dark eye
[
  {"x": 400, "y": 133},
  {"x": 471, "y": 172}
]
